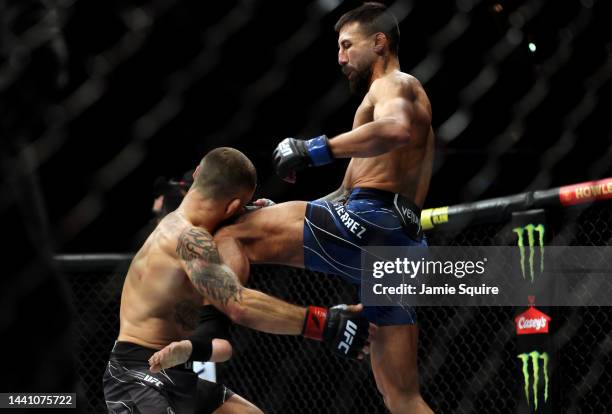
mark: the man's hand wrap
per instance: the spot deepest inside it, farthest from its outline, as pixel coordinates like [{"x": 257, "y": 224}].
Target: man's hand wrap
[
  {"x": 213, "y": 324},
  {"x": 293, "y": 155},
  {"x": 345, "y": 332},
  {"x": 201, "y": 348}
]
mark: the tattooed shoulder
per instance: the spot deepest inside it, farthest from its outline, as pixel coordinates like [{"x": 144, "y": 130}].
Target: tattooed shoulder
[
  {"x": 197, "y": 249},
  {"x": 197, "y": 243}
]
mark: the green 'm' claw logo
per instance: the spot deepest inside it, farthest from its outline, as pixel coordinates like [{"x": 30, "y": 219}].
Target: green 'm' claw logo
[
  {"x": 534, "y": 357},
  {"x": 530, "y": 229}
]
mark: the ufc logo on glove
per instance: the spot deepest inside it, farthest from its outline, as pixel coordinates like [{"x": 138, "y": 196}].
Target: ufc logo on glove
[{"x": 349, "y": 335}]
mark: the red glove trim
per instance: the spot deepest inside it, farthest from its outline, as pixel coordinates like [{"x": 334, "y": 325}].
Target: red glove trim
[{"x": 314, "y": 324}]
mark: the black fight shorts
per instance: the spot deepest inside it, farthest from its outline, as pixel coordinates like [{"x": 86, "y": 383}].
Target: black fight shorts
[{"x": 129, "y": 386}]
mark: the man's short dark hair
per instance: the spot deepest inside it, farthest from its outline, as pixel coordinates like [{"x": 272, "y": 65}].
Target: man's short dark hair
[
  {"x": 225, "y": 173},
  {"x": 373, "y": 18}
]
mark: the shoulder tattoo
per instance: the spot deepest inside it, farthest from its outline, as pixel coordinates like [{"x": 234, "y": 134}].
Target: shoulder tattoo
[
  {"x": 194, "y": 243},
  {"x": 213, "y": 280}
]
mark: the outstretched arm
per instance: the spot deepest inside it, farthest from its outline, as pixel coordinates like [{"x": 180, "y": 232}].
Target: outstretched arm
[
  {"x": 342, "y": 327},
  {"x": 200, "y": 260}
]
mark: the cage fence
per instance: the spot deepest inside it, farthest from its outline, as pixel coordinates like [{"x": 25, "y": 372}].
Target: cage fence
[
  {"x": 467, "y": 355},
  {"x": 74, "y": 73}
]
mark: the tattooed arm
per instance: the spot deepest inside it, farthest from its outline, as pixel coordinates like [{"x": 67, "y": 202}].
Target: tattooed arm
[{"x": 199, "y": 258}]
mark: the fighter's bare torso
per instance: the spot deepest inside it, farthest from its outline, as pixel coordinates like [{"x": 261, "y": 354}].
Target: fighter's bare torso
[
  {"x": 407, "y": 169},
  {"x": 159, "y": 304}
]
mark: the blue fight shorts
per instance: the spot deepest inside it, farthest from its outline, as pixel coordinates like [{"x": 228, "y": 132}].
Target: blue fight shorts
[{"x": 335, "y": 234}]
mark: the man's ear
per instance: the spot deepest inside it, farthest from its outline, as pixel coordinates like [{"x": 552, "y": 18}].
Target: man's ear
[
  {"x": 379, "y": 42},
  {"x": 233, "y": 207}
]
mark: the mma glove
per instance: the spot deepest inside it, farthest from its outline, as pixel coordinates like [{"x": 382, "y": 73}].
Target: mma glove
[
  {"x": 343, "y": 331},
  {"x": 293, "y": 155}
]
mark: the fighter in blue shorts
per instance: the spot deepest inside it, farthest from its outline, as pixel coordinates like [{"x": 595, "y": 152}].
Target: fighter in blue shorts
[
  {"x": 336, "y": 234},
  {"x": 391, "y": 146}
]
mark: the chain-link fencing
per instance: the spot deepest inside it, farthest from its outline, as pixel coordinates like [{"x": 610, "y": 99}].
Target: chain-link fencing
[
  {"x": 99, "y": 98},
  {"x": 467, "y": 355}
]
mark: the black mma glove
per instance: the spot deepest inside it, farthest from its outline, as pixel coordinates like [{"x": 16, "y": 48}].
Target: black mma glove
[
  {"x": 293, "y": 155},
  {"x": 345, "y": 332}
]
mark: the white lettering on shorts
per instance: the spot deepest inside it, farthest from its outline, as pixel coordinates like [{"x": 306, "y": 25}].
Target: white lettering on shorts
[{"x": 353, "y": 226}]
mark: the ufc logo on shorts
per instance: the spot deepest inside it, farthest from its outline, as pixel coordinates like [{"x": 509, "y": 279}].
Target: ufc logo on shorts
[
  {"x": 285, "y": 148},
  {"x": 349, "y": 335},
  {"x": 153, "y": 380}
]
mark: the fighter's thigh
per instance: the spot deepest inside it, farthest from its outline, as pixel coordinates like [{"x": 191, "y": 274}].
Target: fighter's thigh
[
  {"x": 237, "y": 405},
  {"x": 272, "y": 234},
  {"x": 135, "y": 398},
  {"x": 394, "y": 359},
  {"x": 124, "y": 393}
]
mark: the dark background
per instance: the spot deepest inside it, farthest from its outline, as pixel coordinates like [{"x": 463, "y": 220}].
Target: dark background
[
  {"x": 113, "y": 94},
  {"x": 98, "y": 98}
]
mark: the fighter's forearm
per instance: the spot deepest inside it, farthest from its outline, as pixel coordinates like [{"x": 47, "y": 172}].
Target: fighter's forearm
[
  {"x": 244, "y": 306},
  {"x": 369, "y": 140},
  {"x": 262, "y": 312}
]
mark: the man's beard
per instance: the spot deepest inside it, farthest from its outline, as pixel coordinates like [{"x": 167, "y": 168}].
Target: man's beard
[{"x": 360, "y": 82}]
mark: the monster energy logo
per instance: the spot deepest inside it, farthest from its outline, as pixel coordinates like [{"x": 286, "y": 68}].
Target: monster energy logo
[
  {"x": 533, "y": 358},
  {"x": 530, "y": 230}
]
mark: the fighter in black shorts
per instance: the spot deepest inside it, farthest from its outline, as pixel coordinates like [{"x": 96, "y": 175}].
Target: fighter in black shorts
[
  {"x": 162, "y": 324},
  {"x": 130, "y": 387}
]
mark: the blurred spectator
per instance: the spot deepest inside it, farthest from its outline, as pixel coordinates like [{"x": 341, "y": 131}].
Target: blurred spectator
[{"x": 167, "y": 196}]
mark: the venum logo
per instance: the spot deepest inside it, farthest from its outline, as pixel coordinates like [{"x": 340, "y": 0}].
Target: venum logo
[
  {"x": 528, "y": 232},
  {"x": 406, "y": 214},
  {"x": 531, "y": 362},
  {"x": 349, "y": 334}
]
